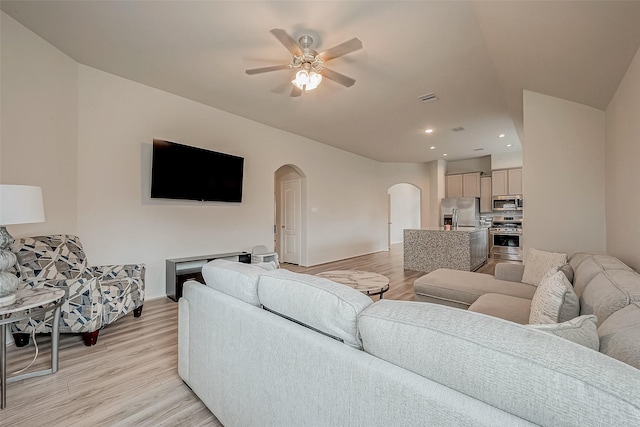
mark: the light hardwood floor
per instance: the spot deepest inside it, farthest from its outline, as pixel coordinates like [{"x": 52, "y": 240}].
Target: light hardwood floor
[{"x": 130, "y": 378}]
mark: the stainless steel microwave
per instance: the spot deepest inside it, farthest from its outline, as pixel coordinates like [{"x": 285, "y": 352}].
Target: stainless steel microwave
[{"x": 507, "y": 203}]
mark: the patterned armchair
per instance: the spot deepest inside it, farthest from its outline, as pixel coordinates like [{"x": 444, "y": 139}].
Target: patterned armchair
[{"x": 97, "y": 296}]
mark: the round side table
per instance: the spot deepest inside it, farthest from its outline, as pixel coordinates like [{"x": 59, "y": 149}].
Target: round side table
[{"x": 30, "y": 303}]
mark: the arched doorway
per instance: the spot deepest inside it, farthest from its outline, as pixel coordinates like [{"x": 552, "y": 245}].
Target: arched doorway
[
  {"x": 404, "y": 210},
  {"x": 290, "y": 218}
]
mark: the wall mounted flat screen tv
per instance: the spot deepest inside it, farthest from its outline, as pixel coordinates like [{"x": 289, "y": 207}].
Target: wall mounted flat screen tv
[{"x": 190, "y": 173}]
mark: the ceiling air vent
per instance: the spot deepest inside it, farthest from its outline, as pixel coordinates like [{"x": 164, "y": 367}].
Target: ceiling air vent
[
  {"x": 458, "y": 129},
  {"x": 478, "y": 149},
  {"x": 429, "y": 97}
]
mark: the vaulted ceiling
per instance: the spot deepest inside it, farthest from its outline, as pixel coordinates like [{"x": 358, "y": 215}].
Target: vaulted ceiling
[{"x": 477, "y": 57}]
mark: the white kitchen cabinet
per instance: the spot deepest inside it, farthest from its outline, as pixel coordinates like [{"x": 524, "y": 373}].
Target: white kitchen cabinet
[
  {"x": 471, "y": 184},
  {"x": 506, "y": 182},
  {"x": 454, "y": 185},
  {"x": 463, "y": 185},
  {"x": 485, "y": 194},
  {"x": 514, "y": 181}
]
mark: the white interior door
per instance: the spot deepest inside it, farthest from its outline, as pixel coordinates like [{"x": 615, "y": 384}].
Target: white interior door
[{"x": 291, "y": 219}]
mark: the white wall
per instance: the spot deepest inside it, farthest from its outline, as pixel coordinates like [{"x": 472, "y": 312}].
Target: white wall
[
  {"x": 563, "y": 175},
  {"x": 404, "y": 201},
  {"x": 623, "y": 173},
  {"x": 346, "y": 206},
  {"x": 39, "y": 125},
  {"x": 506, "y": 160},
  {"x": 477, "y": 164},
  {"x": 417, "y": 174}
]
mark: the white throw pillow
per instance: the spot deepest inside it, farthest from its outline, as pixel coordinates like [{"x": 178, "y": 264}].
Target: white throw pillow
[
  {"x": 554, "y": 300},
  {"x": 581, "y": 330},
  {"x": 538, "y": 263}
]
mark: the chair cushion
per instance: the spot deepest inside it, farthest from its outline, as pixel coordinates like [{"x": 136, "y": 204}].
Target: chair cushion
[
  {"x": 506, "y": 307},
  {"x": 620, "y": 335},
  {"x": 236, "y": 279},
  {"x": 321, "y": 304},
  {"x": 554, "y": 300},
  {"x": 581, "y": 330},
  {"x": 538, "y": 263}
]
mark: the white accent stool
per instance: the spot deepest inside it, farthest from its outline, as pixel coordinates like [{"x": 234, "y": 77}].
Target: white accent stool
[{"x": 260, "y": 253}]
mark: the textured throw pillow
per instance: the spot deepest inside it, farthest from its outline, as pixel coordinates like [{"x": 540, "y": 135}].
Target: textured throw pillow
[
  {"x": 581, "y": 330},
  {"x": 538, "y": 263},
  {"x": 554, "y": 300}
]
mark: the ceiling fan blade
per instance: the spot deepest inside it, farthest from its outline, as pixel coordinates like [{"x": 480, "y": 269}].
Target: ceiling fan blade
[
  {"x": 287, "y": 41},
  {"x": 341, "y": 49},
  {"x": 337, "y": 77},
  {"x": 267, "y": 69},
  {"x": 295, "y": 92}
]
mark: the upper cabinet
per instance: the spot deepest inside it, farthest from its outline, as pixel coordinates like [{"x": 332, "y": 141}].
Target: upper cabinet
[
  {"x": 514, "y": 181},
  {"x": 463, "y": 185},
  {"x": 506, "y": 182},
  {"x": 454, "y": 186},
  {"x": 485, "y": 194}
]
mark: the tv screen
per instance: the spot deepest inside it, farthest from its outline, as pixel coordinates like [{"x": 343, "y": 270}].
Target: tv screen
[{"x": 190, "y": 173}]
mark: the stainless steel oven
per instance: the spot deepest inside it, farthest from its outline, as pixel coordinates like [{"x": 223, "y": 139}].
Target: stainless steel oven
[{"x": 506, "y": 238}]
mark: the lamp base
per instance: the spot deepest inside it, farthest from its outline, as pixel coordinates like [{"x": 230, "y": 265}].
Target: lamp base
[{"x": 8, "y": 300}]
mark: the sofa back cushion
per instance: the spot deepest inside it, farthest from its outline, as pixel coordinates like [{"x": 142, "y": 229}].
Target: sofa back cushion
[
  {"x": 236, "y": 279},
  {"x": 502, "y": 363},
  {"x": 586, "y": 267},
  {"x": 620, "y": 335},
  {"x": 608, "y": 292},
  {"x": 314, "y": 302}
]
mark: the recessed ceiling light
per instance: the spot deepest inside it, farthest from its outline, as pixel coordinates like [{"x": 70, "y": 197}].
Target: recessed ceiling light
[
  {"x": 502, "y": 135},
  {"x": 508, "y": 145},
  {"x": 444, "y": 154},
  {"x": 428, "y": 131},
  {"x": 432, "y": 148}
]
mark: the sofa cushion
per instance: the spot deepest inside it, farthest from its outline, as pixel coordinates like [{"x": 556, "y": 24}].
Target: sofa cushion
[
  {"x": 590, "y": 266},
  {"x": 620, "y": 335},
  {"x": 463, "y": 288},
  {"x": 315, "y": 302},
  {"x": 554, "y": 300},
  {"x": 581, "y": 330},
  {"x": 506, "y": 365},
  {"x": 538, "y": 263},
  {"x": 506, "y": 307},
  {"x": 236, "y": 279},
  {"x": 610, "y": 291}
]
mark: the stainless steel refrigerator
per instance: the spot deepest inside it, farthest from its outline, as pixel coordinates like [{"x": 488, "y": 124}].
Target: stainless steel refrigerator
[{"x": 468, "y": 211}]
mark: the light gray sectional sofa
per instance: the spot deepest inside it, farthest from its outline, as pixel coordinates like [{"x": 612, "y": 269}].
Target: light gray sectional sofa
[
  {"x": 276, "y": 348},
  {"x": 605, "y": 286}
]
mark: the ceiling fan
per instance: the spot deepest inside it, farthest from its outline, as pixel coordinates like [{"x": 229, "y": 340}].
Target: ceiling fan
[{"x": 310, "y": 62}]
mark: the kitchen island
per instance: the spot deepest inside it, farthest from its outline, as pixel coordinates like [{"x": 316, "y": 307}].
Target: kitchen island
[{"x": 428, "y": 249}]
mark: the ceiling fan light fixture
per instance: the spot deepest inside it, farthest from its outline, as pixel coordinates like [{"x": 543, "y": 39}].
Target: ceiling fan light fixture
[{"x": 306, "y": 80}]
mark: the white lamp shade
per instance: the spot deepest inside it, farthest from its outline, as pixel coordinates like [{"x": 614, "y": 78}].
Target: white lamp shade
[{"x": 20, "y": 204}]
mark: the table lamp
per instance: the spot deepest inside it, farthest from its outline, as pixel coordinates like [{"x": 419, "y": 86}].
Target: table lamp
[{"x": 19, "y": 204}]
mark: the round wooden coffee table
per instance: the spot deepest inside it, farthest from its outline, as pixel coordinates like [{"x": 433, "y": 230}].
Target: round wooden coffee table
[{"x": 364, "y": 281}]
